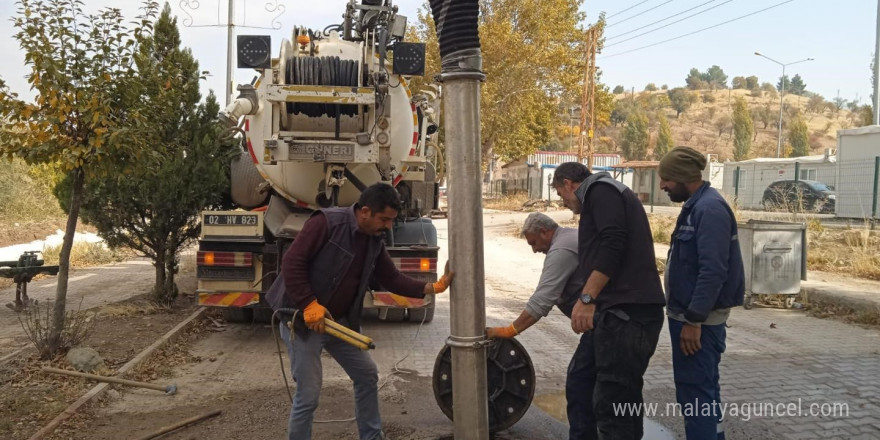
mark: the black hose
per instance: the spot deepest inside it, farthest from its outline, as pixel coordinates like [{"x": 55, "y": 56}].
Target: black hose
[
  {"x": 328, "y": 71},
  {"x": 457, "y": 24}
]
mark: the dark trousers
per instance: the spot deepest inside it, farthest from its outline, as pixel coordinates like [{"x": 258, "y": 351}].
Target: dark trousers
[
  {"x": 606, "y": 372},
  {"x": 696, "y": 381}
]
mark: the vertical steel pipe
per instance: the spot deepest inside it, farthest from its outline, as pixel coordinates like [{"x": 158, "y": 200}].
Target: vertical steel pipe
[{"x": 468, "y": 296}]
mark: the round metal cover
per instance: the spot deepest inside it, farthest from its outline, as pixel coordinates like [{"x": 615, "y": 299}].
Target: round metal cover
[{"x": 511, "y": 382}]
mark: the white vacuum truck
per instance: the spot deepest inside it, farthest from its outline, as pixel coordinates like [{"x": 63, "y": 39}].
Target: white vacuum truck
[{"x": 330, "y": 116}]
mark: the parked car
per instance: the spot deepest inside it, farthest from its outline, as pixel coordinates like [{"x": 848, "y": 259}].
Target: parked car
[{"x": 799, "y": 195}]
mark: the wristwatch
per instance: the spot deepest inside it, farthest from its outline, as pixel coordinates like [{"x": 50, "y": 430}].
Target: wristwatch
[{"x": 586, "y": 298}]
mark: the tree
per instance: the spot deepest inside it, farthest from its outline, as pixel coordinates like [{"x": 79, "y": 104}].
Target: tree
[
  {"x": 618, "y": 90},
  {"x": 742, "y": 130},
  {"x": 155, "y": 209},
  {"x": 784, "y": 80},
  {"x": 799, "y": 137},
  {"x": 752, "y": 82},
  {"x": 527, "y": 77},
  {"x": 738, "y": 82},
  {"x": 797, "y": 87},
  {"x": 695, "y": 80},
  {"x": 664, "y": 137},
  {"x": 839, "y": 103},
  {"x": 816, "y": 104},
  {"x": 769, "y": 89},
  {"x": 723, "y": 124},
  {"x": 681, "y": 100},
  {"x": 715, "y": 77},
  {"x": 636, "y": 137},
  {"x": 651, "y": 87},
  {"x": 664, "y": 87},
  {"x": 82, "y": 71}
]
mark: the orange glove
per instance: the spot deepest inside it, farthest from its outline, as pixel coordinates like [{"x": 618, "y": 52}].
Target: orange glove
[
  {"x": 501, "y": 332},
  {"x": 443, "y": 283},
  {"x": 314, "y": 316}
]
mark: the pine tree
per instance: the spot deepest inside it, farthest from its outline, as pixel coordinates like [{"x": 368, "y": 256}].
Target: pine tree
[
  {"x": 153, "y": 206},
  {"x": 743, "y": 130},
  {"x": 798, "y": 137},
  {"x": 636, "y": 137},
  {"x": 664, "y": 138}
]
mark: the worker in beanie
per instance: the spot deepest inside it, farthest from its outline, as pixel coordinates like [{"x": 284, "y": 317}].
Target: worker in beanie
[{"x": 704, "y": 278}]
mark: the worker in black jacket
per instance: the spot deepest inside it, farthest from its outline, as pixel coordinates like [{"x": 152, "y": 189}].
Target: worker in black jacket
[{"x": 620, "y": 311}]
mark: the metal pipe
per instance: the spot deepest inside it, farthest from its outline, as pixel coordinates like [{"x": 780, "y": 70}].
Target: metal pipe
[
  {"x": 181, "y": 424},
  {"x": 467, "y": 297},
  {"x": 168, "y": 389},
  {"x": 876, "y": 186}
]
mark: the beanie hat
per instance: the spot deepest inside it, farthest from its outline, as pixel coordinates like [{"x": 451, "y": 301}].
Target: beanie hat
[{"x": 683, "y": 165}]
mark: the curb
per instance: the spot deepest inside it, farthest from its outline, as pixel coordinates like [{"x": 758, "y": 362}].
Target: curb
[{"x": 98, "y": 389}]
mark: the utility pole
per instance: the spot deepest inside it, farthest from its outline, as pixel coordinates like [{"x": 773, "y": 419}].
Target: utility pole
[
  {"x": 230, "y": 50},
  {"x": 781, "y": 97},
  {"x": 588, "y": 99},
  {"x": 876, "y": 70}
]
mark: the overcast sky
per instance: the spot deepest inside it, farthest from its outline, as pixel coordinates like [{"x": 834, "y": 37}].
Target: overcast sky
[{"x": 839, "y": 35}]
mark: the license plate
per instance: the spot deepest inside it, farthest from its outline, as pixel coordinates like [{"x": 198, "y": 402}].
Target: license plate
[
  {"x": 231, "y": 219},
  {"x": 322, "y": 152}
]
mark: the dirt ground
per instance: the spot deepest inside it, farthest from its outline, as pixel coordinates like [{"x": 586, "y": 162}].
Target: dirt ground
[{"x": 120, "y": 330}]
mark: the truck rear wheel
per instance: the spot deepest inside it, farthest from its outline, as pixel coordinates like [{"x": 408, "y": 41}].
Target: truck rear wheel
[{"x": 425, "y": 314}]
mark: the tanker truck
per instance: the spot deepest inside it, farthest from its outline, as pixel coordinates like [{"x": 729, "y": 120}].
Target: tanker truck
[{"x": 331, "y": 115}]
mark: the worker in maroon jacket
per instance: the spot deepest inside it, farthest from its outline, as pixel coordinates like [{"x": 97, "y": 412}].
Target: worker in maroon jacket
[{"x": 326, "y": 273}]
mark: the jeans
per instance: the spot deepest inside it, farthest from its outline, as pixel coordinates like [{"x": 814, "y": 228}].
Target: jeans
[
  {"x": 305, "y": 366},
  {"x": 606, "y": 372},
  {"x": 696, "y": 381}
]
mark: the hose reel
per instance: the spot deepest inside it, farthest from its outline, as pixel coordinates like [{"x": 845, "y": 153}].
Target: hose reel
[{"x": 324, "y": 71}]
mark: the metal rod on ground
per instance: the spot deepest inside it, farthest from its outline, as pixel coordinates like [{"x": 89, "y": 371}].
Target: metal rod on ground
[
  {"x": 181, "y": 424},
  {"x": 168, "y": 389}
]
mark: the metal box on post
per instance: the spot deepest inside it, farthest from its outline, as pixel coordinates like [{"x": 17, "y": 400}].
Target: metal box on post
[{"x": 774, "y": 257}]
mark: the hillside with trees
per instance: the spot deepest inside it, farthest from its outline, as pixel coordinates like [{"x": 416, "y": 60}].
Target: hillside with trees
[{"x": 734, "y": 118}]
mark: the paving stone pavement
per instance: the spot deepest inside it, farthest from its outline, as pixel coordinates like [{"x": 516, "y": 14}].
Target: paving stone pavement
[{"x": 774, "y": 356}]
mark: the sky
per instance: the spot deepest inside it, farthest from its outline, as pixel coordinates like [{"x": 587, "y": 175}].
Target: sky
[{"x": 839, "y": 35}]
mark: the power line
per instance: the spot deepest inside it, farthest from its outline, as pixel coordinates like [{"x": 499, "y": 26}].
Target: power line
[
  {"x": 669, "y": 24},
  {"x": 627, "y": 9},
  {"x": 661, "y": 20},
  {"x": 698, "y": 31},
  {"x": 640, "y": 13}
]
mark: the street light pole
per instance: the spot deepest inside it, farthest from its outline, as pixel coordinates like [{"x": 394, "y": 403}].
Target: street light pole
[{"x": 781, "y": 97}]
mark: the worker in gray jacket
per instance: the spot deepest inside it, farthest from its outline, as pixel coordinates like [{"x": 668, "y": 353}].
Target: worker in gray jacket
[{"x": 559, "y": 285}]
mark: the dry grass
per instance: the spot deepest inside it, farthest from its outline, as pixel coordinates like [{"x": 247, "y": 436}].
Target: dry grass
[
  {"x": 851, "y": 252},
  {"x": 661, "y": 227},
  {"x": 86, "y": 254},
  {"x": 513, "y": 202},
  {"x": 25, "y": 195}
]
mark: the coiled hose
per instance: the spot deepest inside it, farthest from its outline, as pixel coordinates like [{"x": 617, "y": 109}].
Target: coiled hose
[{"x": 324, "y": 71}]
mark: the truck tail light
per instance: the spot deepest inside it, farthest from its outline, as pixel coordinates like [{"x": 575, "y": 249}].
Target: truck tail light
[
  {"x": 224, "y": 259},
  {"x": 416, "y": 264}
]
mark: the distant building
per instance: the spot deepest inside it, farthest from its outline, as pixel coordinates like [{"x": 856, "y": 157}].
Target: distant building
[
  {"x": 532, "y": 174},
  {"x": 857, "y": 171}
]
